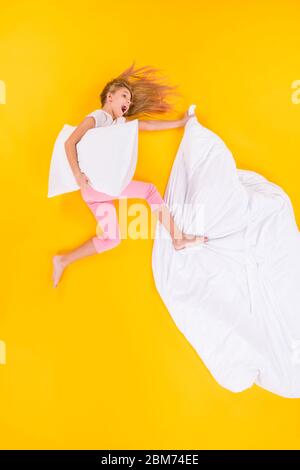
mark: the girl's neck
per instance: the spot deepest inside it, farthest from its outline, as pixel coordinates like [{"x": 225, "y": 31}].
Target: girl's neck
[{"x": 108, "y": 111}]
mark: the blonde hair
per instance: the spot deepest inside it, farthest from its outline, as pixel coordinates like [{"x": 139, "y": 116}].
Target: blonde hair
[{"x": 149, "y": 96}]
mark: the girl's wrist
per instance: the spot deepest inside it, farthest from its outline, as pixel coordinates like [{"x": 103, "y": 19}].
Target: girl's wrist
[{"x": 184, "y": 120}]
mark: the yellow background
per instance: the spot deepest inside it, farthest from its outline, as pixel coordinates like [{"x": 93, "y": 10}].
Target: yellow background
[{"x": 98, "y": 362}]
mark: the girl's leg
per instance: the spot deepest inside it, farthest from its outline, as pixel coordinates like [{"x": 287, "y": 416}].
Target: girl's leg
[
  {"x": 135, "y": 189},
  {"x": 60, "y": 262},
  {"x": 148, "y": 191},
  {"x": 95, "y": 245}
]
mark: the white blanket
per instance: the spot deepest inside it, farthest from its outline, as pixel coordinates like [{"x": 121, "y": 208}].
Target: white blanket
[
  {"x": 235, "y": 298},
  {"x": 107, "y": 155}
]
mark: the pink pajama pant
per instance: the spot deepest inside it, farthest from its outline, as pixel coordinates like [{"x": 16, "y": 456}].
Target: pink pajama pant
[{"x": 95, "y": 201}]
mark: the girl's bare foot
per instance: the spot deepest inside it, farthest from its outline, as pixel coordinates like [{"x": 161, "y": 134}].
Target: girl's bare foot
[
  {"x": 58, "y": 268},
  {"x": 188, "y": 240}
]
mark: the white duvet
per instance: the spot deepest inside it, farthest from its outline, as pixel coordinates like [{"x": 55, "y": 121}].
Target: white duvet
[{"x": 235, "y": 298}]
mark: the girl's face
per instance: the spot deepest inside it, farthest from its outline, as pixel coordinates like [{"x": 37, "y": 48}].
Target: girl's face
[{"x": 120, "y": 101}]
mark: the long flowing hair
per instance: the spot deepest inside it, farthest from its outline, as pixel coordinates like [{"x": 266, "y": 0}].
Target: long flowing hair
[{"x": 150, "y": 96}]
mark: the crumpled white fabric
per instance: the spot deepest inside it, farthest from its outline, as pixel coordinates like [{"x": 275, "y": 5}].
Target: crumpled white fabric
[
  {"x": 236, "y": 298},
  {"x": 107, "y": 155}
]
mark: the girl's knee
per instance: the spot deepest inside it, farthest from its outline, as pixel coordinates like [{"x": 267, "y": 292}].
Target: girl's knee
[
  {"x": 151, "y": 188},
  {"x": 151, "y": 192},
  {"x": 153, "y": 196},
  {"x": 103, "y": 244}
]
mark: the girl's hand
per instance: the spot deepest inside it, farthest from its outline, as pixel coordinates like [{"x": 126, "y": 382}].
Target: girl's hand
[
  {"x": 82, "y": 181},
  {"x": 186, "y": 117}
]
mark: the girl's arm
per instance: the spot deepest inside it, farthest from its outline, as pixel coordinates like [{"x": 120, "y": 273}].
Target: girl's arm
[
  {"x": 160, "y": 125},
  {"x": 70, "y": 145}
]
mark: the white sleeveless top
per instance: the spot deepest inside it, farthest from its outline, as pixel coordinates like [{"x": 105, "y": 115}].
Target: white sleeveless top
[{"x": 103, "y": 118}]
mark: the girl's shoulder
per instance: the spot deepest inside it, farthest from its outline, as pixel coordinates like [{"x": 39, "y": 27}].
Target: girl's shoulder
[{"x": 101, "y": 118}]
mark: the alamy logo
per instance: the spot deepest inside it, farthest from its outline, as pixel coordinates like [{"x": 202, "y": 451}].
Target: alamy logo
[
  {"x": 2, "y": 352},
  {"x": 2, "y": 92},
  {"x": 2, "y": 343},
  {"x": 110, "y": 227},
  {"x": 296, "y": 94}
]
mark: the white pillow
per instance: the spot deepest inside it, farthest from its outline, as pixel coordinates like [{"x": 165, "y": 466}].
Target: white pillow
[{"x": 107, "y": 155}]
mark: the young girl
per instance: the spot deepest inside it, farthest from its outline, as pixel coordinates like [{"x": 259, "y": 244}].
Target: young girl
[{"x": 133, "y": 93}]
